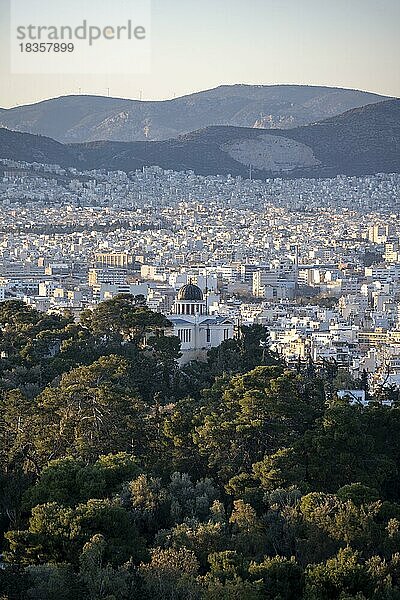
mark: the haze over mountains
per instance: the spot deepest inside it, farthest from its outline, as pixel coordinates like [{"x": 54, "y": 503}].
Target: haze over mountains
[
  {"x": 359, "y": 142},
  {"x": 75, "y": 119}
]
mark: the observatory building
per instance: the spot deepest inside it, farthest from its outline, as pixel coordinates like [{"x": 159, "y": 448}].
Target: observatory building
[{"x": 197, "y": 330}]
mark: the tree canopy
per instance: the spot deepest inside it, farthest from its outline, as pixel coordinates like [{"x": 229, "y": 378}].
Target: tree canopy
[{"x": 125, "y": 477}]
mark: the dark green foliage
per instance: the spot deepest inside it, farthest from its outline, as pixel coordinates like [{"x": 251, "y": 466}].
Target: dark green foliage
[
  {"x": 58, "y": 534},
  {"x": 244, "y": 353},
  {"x": 359, "y": 494},
  {"x": 341, "y": 449},
  {"x": 255, "y": 414},
  {"x": 123, "y": 477},
  {"x": 282, "y": 577},
  {"x": 54, "y": 582},
  {"x": 70, "y": 481},
  {"x": 14, "y": 582}
]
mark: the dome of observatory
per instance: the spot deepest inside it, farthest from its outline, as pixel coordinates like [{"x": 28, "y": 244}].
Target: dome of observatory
[{"x": 190, "y": 292}]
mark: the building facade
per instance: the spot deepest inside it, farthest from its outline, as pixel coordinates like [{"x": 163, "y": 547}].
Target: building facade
[{"x": 197, "y": 330}]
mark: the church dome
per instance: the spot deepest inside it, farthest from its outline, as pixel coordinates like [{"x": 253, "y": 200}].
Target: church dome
[{"x": 190, "y": 293}]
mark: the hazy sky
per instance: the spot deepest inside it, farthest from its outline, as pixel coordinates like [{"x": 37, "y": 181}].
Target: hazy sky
[{"x": 199, "y": 44}]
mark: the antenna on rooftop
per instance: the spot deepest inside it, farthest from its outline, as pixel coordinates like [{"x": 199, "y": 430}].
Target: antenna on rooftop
[
  {"x": 140, "y": 94},
  {"x": 206, "y": 291}
]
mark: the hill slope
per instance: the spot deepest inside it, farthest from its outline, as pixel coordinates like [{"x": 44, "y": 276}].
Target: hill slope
[
  {"x": 71, "y": 119},
  {"x": 361, "y": 141},
  {"x": 34, "y": 148}
]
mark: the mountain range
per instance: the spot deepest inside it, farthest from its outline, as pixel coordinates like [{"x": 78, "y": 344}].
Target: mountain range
[
  {"x": 359, "y": 142},
  {"x": 76, "y": 119}
]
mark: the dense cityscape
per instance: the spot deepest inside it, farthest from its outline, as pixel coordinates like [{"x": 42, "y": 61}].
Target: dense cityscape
[{"x": 315, "y": 261}]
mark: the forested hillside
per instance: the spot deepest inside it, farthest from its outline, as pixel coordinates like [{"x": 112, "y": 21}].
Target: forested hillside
[{"x": 124, "y": 477}]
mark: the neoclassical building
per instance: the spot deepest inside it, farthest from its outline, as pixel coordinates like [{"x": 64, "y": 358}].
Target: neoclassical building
[{"x": 197, "y": 330}]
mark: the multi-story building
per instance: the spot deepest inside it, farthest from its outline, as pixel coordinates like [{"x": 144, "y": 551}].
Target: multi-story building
[{"x": 113, "y": 259}]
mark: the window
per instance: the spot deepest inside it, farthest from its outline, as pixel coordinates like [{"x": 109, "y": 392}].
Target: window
[
  {"x": 208, "y": 335},
  {"x": 226, "y": 334},
  {"x": 185, "y": 335}
]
